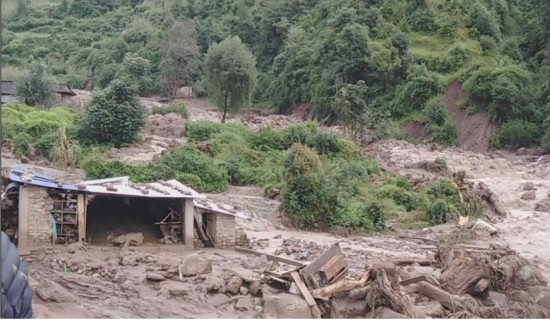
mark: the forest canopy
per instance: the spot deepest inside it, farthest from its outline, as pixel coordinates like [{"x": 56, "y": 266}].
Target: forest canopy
[{"x": 349, "y": 58}]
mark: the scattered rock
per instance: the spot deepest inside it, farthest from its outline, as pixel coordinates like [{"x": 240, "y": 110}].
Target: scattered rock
[
  {"x": 529, "y": 186},
  {"x": 286, "y": 306},
  {"x": 245, "y": 304},
  {"x": 166, "y": 260},
  {"x": 48, "y": 290},
  {"x": 279, "y": 236},
  {"x": 234, "y": 285},
  {"x": 543, "y": 206},
  {"x": 353, "y": 308},
  {"x": 74, "y": 247},
  {"x": 154, "y": 276},
  {"x": 498, "y": 299},
  {"x": 520, "y": 296},
  {"x": 194, "y": 264},
  {"x": 263, "y": 259},
  {"x": 432, "y": 309},
  {"x": 254, "y": 287},
  {"x": 529, "y": 195},
  {"x": 25, "y": 159},
  {"x": 243, "y": 291},
  {"x": 521, "y": 151},
  {"x": 178, "y": 289}
]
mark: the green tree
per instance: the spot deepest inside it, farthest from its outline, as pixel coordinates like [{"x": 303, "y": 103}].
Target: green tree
[
  {"x": 36, "y": 87},
  {"x": 230, "y": 75},
  {"x": 114, "y": 115},
  {"x": 181, "y": 57}
]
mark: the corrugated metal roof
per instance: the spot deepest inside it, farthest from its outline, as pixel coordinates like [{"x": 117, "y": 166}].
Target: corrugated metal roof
[
  {"x": 41, "y": 180},
  {"x": 210, "y": 206},
  {"x": 169, "y": 189}
]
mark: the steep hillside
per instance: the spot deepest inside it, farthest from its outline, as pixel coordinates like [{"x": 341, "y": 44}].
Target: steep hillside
[{"x": 356, "y": 61}]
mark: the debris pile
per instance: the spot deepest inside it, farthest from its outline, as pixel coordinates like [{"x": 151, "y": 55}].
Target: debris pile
[{"x": 460, "y": 281}]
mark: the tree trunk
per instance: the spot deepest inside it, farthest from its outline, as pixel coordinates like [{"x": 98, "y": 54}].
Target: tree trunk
[{"x": 224, "y": 109}]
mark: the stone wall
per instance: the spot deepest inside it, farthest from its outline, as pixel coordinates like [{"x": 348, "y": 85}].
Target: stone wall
[
  {"x": 40, "y": 221},
  {"x": 225, "y": 230}
]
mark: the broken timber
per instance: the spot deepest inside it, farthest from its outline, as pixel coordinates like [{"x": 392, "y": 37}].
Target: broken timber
[
  {"x": 334, "y": 269},
  {"x": 308, "y": 273},
  {"x": 270, "y": 257},
  {"x": 315, "y": 312}
]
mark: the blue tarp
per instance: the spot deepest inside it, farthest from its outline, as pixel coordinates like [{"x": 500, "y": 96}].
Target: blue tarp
[{"x": 41, "y": 180}]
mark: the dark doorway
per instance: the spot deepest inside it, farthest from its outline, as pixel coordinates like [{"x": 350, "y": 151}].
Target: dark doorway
[{"x": 109, "y": 217}]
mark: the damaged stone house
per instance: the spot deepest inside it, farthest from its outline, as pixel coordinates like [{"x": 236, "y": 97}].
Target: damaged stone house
[{"x": 39, "y": 210}]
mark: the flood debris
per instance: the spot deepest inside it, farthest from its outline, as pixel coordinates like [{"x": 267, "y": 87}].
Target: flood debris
[{"x": 458, "y": 281}]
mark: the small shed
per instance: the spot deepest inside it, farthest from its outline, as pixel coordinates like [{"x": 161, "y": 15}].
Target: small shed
[
  {"x": 46, "y": 210},
  {"x": 9, "y": 92}
]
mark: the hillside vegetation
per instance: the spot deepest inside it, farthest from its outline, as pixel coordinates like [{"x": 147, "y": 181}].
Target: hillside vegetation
[
  {"x": 363, "y": 64},
  {"x": 356, "y": 61}
]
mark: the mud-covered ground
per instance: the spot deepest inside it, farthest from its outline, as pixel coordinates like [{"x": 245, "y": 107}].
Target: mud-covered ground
[{"x": 99, "y": 283}]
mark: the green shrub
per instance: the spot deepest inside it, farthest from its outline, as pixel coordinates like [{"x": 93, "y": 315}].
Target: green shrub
[
  {"x": 269, "y": 139},
  {"x": 422, "y": 20},
  {"x": 189, "y": 160},
  {"x": 176, "y": 107},
  {"x": 325, "y": 143},
  {"x": 515, "y": 134},
  {"x": 349, "y": 150},
  {"x": 301, "y": 160},
  {"x": 352, "y": 214},
  {"x": 302, "y": 133},
  {"x": 445, "y": 134},
  {"x": 191, "y": 180},
  {"x": 400, "y": 196},
  {"x": 202, "y": 130},
  {"x": 435, "y": 112},
  {"x": 437, "y": 213},
  {"x": 22, "y": 142},
  {"x": 488, "y": 44},
  {"x": 243, "y": 165},
  {"x": 401, "y": 182},
  {"x": 115, "y": 115},
  {"x": 377, "y": 215}
]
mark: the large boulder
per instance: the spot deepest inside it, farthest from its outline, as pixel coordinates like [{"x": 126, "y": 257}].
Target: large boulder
[
  {"x": 48, "y": 290},
  {"x": 286, "y": 306},
  {"x": 543, "y": 206},
  {"x": 245, "y": 304},
  {"x": 234, "y": 285},
  {"x": 194, "y": 264},
  {"x": 529, "y": 195}
]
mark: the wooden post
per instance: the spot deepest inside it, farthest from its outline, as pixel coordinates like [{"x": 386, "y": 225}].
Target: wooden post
[
  {"x": 188, "y": 218},
  {"x": 23, "y": 223},
  {"x": 81, "y": 212}
]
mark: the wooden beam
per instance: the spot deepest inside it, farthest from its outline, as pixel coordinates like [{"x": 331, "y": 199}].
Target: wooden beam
[
  {"x": 188, "y": 210},
  {"x": 198, "y": 226},
  {"x": 315, "y": 312},
  {"x": 412, "y": 280},
  {"x": 270, "y": 257},
  {"x": 23, "y": 222},
  {"x": 81, "y": 216}
]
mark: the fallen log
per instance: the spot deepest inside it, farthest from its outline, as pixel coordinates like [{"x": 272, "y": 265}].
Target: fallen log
[
  {"x": 325, "y": 293},
  {"x": 384, "y": 292},
  {"x": 418, "y": 238},
  {"x": 492, "y": 199},
  {"x": 271, "y": 257},
  {"x": 422, "y": 262},
  {"x": 457, "y": 303},
  {"x": 315, "y": 312}
]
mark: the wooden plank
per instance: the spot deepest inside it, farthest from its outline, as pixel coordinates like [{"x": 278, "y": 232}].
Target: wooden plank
[
  {"x": 270, "y": 257},
  {"x": 315, "y": 312},
  {"x": 333, "y": 268},
  {"x": 198, "y": 226},
  {"x": 81, "y": 207},
  {"x": 412, "y": 280},
  {"x": 314, "y": 267}
]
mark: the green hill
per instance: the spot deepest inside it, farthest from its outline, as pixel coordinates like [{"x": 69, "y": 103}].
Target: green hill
[{"x": 356, "y": 61}]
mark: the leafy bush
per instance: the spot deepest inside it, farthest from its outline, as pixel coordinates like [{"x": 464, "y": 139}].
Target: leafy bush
[
  {"x": 269, "y": 139},
  {"x": 422, "y": 20},
  {"x": 445, "y": 134},
  {"x": 177, "y": 108},
  {"x": 22, "y": 142},
  {"x": 202, "y": 130},
  {"x": 114, "y": 115},
  {"x": 420, "y": 87},
  {"x": 189, "y": 160},
  {"x": 400, "y": 196},
  {"x": 36, "y": 88},
  {"x": 488, "y": 44},
  {"x": 191, "y": 180},
  {"x": 435, "y": 111},
  {"x": 326, "y": 143},
  {"x": 352, "y": 214},
  {"x": 302, "y": 133},
  {"x": 515, "y": 134},
  {"x": 437, "y": 213}
]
